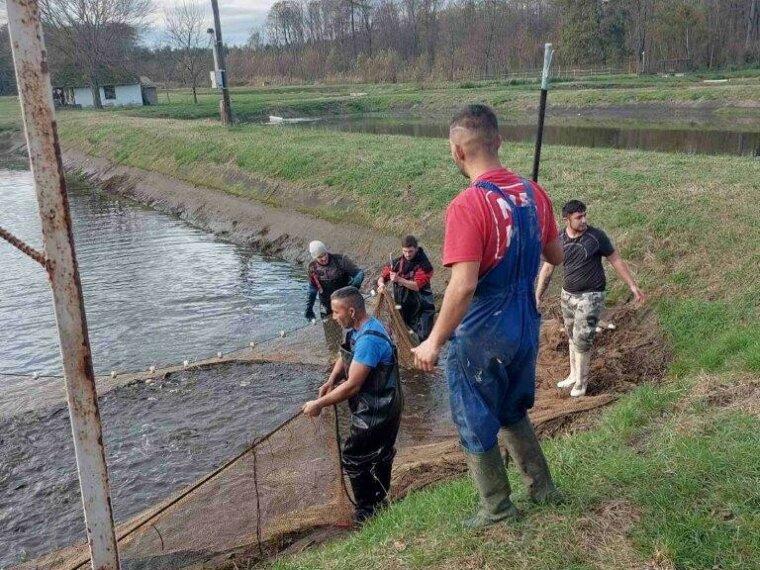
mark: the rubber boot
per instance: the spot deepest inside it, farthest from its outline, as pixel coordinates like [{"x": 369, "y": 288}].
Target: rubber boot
[
  {"x": 571, "y": 378},
  {"x": 522, "y": 445},
  {"x": 490, "y": 476},
  {"x": 382, "y": 473},
  {"x": 365, "y": 490},
  {"x": 582, "y": 364}
]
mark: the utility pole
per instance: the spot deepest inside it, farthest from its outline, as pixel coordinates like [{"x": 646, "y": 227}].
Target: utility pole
[
  {"x": 224, "y": 105},
  {"x": 60, "y": 262}
]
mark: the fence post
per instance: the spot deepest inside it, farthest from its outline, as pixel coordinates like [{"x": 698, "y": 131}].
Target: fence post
[{"x": 35, "y": 94}]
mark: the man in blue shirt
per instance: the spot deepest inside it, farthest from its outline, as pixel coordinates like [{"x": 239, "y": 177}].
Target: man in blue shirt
[{"x": 367, "y": 376}]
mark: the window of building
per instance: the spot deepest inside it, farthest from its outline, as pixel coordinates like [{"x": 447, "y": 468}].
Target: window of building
[{"x": 109, "y": 91}]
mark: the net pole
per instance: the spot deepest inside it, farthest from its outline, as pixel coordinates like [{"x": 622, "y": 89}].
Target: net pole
[{"x": 548, "y": 53}]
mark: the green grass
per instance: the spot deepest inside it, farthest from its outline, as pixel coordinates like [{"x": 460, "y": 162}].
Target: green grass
[
  {"x": 10, "y": 114},
  {"x": 641, "y": 489}
]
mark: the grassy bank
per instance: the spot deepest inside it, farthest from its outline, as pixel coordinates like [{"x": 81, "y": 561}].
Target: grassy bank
[
  {"x": 669, "y": 479},
  {"x": 684, "y": 220}
]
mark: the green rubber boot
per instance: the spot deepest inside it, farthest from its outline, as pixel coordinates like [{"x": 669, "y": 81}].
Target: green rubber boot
[
  {"x": 522, "y": 444},
  {"x": 490, "y": 476}
]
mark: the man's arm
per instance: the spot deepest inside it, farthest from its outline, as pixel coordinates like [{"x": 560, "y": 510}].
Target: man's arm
[
  {"x": 338, "y": 373},
  {"x": 420, "y": 280},
  {"x": 384, "y": 276},
  {"x": 553, "y": 252},
  {"x": 456, "y": 301},
  {"x": 408, "y": 283},
  {"x": 622, "y": 270},
  {"x": 357, "y": 374},
  {"x": 544, "y": 278}
]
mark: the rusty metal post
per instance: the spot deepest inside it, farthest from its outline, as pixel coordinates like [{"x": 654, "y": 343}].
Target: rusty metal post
[{"x": 36, "y": 97}]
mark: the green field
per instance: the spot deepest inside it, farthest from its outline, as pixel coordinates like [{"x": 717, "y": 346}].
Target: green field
[
  {"x": 735, "y": 99},
  {"x": 511, "y": 98},
  {"x": 670, "y": 478}
]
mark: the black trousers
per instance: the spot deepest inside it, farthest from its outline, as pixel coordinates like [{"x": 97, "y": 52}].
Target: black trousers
[{"x": 368, "y": 461}]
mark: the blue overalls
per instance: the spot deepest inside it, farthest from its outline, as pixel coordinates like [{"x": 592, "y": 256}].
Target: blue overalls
[{"x": 491, "y": 367}]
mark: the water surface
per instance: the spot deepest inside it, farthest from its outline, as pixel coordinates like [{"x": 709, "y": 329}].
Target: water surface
[
  {"x": 696, "y": 140},
  {"x": 157, "y": 291}
]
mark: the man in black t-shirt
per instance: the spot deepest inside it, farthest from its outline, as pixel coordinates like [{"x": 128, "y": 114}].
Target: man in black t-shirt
[{"x": 583, "y": 287}]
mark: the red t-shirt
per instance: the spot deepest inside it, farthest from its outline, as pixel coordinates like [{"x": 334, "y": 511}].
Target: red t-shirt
[{"x": 478, "y": 222}]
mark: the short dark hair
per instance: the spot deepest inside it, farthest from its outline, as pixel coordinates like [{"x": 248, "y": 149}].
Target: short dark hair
[
  {"x": 350, "y": 296},
  {"x": 409, "y": 241},
  {"x": 479, "y": 118},
  {"x": 573, "y": 207}
]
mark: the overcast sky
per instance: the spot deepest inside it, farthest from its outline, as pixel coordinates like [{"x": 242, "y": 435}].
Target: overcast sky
[{"x": 238, "y": 17}]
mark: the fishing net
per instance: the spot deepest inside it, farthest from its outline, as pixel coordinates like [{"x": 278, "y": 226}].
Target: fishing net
[
  {"x": 287, "y": 482},
  {"x": 387, "y": 311}
]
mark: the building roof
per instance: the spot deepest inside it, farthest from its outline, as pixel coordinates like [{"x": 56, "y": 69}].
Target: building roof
[{"x": 69, "y": 76}]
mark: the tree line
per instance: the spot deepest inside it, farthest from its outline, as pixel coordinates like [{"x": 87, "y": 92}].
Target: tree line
[
  {"x": 395, "y": 40},
  {"x": 384, "y": 40}
]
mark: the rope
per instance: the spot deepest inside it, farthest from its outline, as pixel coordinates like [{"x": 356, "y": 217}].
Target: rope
[
  {"x": 169, "y": 365},
  {"x": 24, "y": 248},
  {"x": 258, "y": 502},
  {"x": 340, "y": 456}
]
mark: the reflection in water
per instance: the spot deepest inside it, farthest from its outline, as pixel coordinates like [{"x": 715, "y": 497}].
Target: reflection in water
[
  {"x": 667, "y": 140},
  {"x": 156, "y": 291}
]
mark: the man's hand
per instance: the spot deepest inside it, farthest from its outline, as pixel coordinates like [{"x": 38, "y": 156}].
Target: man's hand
[
  {"x": 326, "y": 388},
  {"x": 426, "y": 356},
  {"x": 638, "y": 294},
  {"x": 380, "y": 285},
  {"x": 309, "y": 315},
  {"x": 312, "y": 409},
  {"x": 394, "y": 277}
]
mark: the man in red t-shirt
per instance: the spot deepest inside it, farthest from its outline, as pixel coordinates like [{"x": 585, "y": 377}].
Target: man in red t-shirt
[{"x": 496, "y": 232}]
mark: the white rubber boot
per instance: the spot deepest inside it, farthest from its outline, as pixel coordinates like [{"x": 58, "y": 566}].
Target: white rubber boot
[
  {"x": 571, "y": 378},
  {"x": 582, "y": 365}
]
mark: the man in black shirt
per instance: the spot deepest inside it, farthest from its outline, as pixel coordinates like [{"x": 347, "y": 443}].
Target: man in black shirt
[{"x": 582, "y": 299}]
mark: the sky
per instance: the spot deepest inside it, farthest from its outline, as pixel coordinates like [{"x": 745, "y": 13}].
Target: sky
[{"x": 238, "y": 18}]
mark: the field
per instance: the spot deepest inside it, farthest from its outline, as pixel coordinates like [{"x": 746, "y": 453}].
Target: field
[{"x": 668, "y": 479}]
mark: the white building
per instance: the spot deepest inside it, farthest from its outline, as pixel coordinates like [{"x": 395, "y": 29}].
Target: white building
[
  {"x": 111, "y": 96},
  {"x": 141, "y": 92}
]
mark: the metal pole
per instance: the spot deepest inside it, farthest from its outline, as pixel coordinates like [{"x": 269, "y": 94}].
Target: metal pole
[
  {"x": 226, "y": 108},
  {"x": 548, "y": 53},
  {"x": 36, "y": 97}
]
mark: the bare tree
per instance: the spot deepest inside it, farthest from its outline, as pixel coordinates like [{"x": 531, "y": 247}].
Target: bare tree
[
  {"x": 93, "y": 34},
  {"x": 186, "y": 33}
]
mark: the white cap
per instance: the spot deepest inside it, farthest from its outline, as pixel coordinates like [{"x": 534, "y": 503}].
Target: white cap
[{"x": 317, "y": 249}]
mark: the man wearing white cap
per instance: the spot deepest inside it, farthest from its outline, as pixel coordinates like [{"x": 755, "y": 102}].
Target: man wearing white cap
[{"x": 328, "y": 272}]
